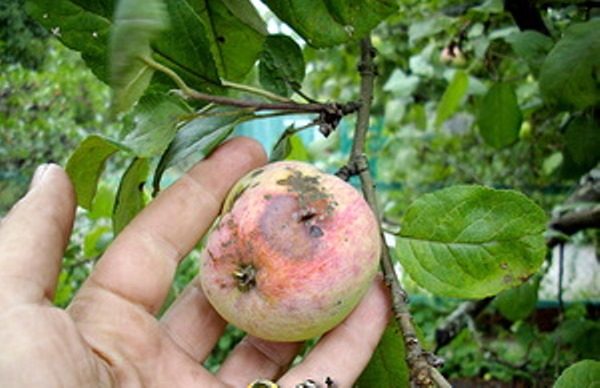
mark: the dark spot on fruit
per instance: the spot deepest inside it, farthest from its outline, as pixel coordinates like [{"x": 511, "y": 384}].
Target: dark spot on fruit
[
  {"x": 315, "y": 231},
  {"x": 307, "y": 217},
  {"x": 268, "y": 196},
  {"x": 504, "y": 265},
  {"x": 329, "y": 382},
  {"x": 508, "y": 279},
  {"x": 339, "y": 302},
  {"x": 227, "y": 243},
  {"x": 280, "y": 229},
  {"x": 221, "y": 39}
]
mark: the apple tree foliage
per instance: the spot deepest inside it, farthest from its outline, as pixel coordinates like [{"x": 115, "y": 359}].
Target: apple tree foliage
[{"x": 474, "y": 98}]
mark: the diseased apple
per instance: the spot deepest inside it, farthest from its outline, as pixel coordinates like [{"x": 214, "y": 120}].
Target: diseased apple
[{"x": 292, "y": 254}]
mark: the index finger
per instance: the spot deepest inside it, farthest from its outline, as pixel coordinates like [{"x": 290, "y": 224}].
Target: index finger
[{"x": 140, "y": 264}]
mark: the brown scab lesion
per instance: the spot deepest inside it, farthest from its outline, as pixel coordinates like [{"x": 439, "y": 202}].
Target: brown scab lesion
[
  {"x": 227, "y": 243},
  {"x": 313, "y": 201}
]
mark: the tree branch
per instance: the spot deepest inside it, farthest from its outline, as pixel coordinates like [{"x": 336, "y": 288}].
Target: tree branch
[
  {"x": 562, "y": 3},
  {"x": 572, "y": 222},
  {"x": 330, "y": 113},
  {"x": 422, "y": 364},
  {"x": 526, "y": 15}
]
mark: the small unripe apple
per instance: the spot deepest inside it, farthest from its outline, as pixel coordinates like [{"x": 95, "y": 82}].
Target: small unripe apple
[
  {"x": 453, "y": 55},
  {"x": 292, "y": 254}
]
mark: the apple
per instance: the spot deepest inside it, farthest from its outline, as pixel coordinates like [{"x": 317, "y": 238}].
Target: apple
[
  {"x": 292, "y": 253},
  {"x": 453, "y": 55}
]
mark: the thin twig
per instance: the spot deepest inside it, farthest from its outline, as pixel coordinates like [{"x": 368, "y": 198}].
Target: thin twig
[
  {"x": 457, "y": 321},
  {"x": 256, "y": 91},
  {"x": 332, "y": 109},
  {"x": 561, "y": 267},
  {"x": 423, "y": 374}
]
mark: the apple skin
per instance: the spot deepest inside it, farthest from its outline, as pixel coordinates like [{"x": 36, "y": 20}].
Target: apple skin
[{"x": 292, "y": 254}]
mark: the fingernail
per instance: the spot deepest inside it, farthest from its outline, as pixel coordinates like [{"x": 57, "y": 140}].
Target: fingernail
[{"x": 38, "y": 175}]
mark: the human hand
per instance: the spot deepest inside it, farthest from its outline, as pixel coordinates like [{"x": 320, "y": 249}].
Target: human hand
[{"x": 109, "y": 335}]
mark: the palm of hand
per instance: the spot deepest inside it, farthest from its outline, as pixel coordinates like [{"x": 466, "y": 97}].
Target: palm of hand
[{"x": 109, "y": 335}]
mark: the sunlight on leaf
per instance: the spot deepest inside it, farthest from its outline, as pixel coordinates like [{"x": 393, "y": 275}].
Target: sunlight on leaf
[{"x": 136, "y": 22}]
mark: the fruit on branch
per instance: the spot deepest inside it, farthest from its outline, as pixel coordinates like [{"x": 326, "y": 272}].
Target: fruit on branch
[
  {"x": 292, "y": 254},
  {"x": 453, "y": 55}
]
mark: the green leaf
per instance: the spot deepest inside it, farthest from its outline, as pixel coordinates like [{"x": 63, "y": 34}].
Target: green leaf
[
  {"x": 387, "y": 367},
  {"x": 79, "y": 27},
  {"x": 298, "y": 151},
  {"x": 519, "y": 302},
  {"x": 471, "y": 241},
  {"x": 236, "y": 33},
  {"x": 184, "y": 46},
  {"x": 584, "y": 374},
  {"x": 281, "y": 66},
  {"x": 582, "y": 141},
  {"x": 87, "y": 163},
  {"x": 428, "y": 27},
  {"x": 155, "y": 120},
  {"x": 324, "y": 23},
  {"x": 452, "y": 97},
  {"x": 552, "y": 163},
  {"x": 136, "y": 23},
  {"x": 499, "y": 117},
  {"x": 104, "y": 8},
  {"x": 94, "y": 241},
  {"x": 570, "y": 75},
  {"x": 289, "y": 146},
  {"x": 103, "y": 203},
  {"x": 532, "y": 46},
  {"x": 130, "y": 196},
  {"x": 581, "y": 335},
  {"x": 401, "y": 85},
  {"x": 283, "y": 146},
  {"x": 197, "y": 139}
]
